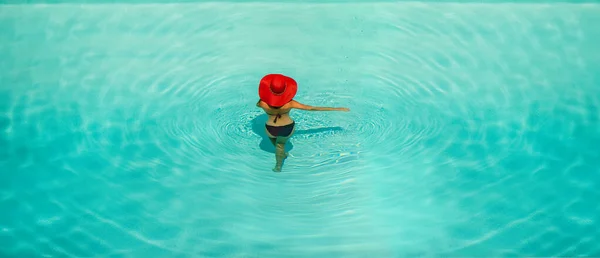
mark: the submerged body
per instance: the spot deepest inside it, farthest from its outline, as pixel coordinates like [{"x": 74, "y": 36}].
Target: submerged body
[{"x": 280, "y": 126}]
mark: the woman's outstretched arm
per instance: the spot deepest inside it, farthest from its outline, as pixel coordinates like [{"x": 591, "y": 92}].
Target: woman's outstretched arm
[{"x": 298, "y": 105}]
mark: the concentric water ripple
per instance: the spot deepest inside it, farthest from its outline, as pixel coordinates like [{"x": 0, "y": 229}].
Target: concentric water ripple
[{"x": 131, "y": 130}]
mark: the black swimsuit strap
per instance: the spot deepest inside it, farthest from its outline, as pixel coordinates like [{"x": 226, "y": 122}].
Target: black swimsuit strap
[{"x": 277, "y": 116}]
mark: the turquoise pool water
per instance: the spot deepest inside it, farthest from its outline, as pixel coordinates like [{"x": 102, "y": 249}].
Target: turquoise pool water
[{"x": 130, "y": 130}]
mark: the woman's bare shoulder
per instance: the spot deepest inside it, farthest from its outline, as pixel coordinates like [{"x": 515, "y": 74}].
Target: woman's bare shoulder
[
  {"x": 261, "y": 103},
  {"x": 292, "y": 104}
]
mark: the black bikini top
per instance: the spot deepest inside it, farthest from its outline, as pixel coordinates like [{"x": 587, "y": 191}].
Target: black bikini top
[{"x": 277, "y": 116}]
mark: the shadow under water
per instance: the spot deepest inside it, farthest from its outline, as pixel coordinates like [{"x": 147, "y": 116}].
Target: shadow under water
[{"x": 258, "y": 127}]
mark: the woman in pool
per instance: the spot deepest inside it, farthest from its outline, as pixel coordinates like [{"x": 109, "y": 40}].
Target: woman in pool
[{"x": 276, "y": 92}]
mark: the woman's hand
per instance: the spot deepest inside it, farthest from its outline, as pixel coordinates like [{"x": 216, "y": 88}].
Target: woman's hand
[{"x": 344, "y": 109}]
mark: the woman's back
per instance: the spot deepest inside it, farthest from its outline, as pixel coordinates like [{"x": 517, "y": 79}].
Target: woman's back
[{"x": 278, "y": 116}]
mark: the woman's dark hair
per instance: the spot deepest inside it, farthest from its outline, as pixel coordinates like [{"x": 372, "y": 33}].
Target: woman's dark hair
[{"x": 273, "y": 107}]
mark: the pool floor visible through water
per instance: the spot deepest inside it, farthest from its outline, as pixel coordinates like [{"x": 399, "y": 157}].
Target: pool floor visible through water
[{"x": 131, "y": 130}]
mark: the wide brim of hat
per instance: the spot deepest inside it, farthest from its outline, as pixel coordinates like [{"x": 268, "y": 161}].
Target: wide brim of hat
[{"x": 273, "y": 100}]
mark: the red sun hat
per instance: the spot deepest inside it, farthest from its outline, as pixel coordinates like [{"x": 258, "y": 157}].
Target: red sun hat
[{"x": 277, "y": 89}]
